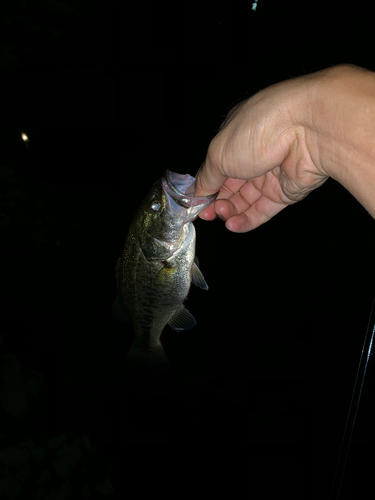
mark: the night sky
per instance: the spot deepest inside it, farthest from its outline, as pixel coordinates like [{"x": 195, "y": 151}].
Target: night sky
[{"x": 109, "y": 97}]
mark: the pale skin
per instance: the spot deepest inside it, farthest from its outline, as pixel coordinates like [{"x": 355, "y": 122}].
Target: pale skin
[{"x": 276, "y": 147}]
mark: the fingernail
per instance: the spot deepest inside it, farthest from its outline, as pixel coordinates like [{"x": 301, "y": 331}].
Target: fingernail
[{"x": 221, "y": 217}]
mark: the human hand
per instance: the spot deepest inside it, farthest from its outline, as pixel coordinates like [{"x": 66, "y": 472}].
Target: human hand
[{"x": 264, "y": 157}]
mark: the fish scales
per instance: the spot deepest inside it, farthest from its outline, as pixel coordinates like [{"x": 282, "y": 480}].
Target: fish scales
[
  {"x": 157, "y": 266},
  {"x": 158, "y": 298}
]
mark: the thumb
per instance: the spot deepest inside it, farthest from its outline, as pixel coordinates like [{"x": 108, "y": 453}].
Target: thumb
[{"x": 209, "y": 179}]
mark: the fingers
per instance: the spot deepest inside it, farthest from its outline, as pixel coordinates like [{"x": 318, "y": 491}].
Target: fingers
[
  {"x": 243, "y": 214},
  {"x": 209, "y": 213},
  {"x": 229, "y": 208},
  {"x": 236, "y": 197},
  {"x": 229, "y": 190},
  {"x": 260, "y": 212}
]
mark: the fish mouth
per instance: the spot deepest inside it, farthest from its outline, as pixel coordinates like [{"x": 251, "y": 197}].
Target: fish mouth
[{"x": 179, "y": 190}]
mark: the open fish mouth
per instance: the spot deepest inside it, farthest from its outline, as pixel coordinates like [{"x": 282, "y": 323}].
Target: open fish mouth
[{"x": 179, "y": 190}]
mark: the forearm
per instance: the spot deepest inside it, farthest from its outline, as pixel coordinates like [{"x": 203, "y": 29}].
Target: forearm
[{"x": 343, "y": 129}]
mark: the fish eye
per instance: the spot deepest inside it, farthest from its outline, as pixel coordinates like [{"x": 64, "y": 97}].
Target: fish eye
[{"x": 155, "y": 206}]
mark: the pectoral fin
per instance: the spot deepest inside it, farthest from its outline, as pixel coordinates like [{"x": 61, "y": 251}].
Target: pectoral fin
[
  {"x": 182, "y": 320},
  {"x": 196, "y": 275}
]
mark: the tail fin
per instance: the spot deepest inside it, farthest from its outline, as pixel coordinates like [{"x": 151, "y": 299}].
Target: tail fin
[{"x": 154, "y": 360}]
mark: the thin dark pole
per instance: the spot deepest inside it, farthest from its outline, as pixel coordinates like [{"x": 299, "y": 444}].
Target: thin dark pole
[{"x": 354, "y": 404}]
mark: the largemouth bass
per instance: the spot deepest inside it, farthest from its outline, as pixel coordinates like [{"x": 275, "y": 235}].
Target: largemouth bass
[{"x": 157, "y": 266}]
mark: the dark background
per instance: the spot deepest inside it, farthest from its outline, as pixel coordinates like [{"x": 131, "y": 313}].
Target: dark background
[{"x": 258, "y": 392}]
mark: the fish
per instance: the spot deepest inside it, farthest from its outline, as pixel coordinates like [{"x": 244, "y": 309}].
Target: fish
[{"x": 157, "y": 266}]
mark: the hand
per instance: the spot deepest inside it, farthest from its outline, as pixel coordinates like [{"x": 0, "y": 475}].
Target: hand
[{"x": 265, "y": 156}]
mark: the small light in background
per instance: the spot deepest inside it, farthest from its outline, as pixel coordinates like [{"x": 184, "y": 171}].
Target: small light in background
[{"x": 25, "y": 139}]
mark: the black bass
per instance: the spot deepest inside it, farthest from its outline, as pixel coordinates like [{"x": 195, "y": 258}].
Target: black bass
[{"x": 157, "y": 266}]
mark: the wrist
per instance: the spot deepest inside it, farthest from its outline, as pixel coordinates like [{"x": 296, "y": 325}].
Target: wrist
[{"x": 342, "y": 128}]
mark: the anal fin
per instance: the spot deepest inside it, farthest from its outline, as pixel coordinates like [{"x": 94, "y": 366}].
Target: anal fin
[{"x": 182, "y": 320}]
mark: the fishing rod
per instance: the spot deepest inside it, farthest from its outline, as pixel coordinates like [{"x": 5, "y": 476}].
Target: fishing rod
[{"x": 354, "y": 404}]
